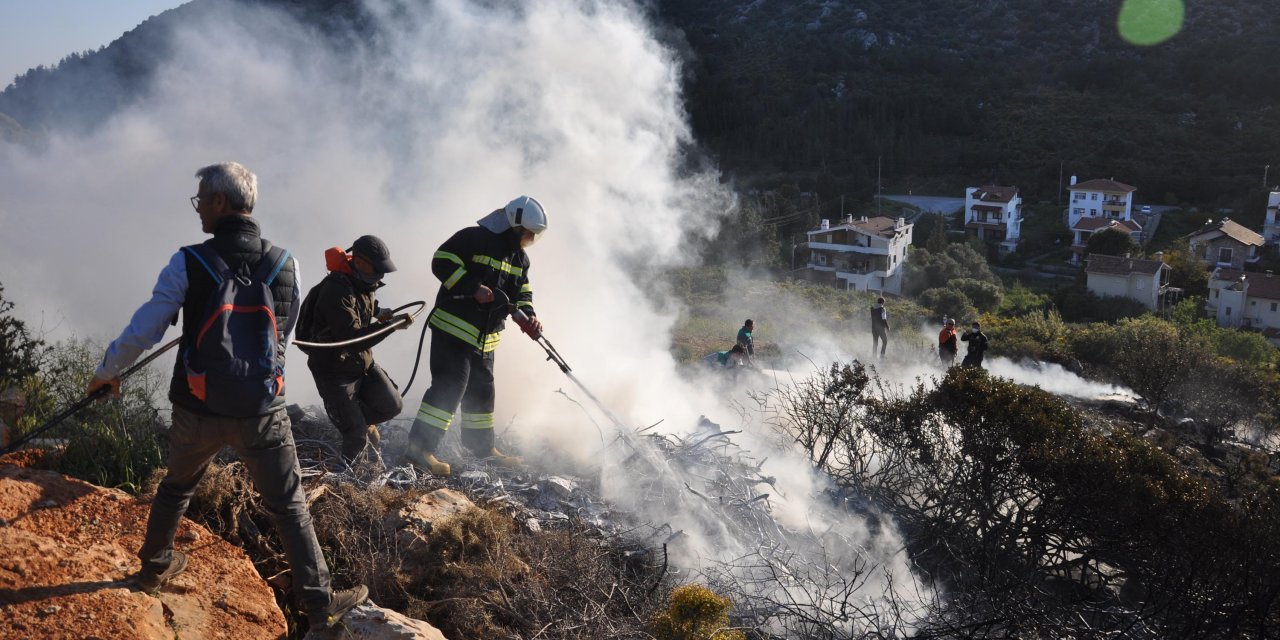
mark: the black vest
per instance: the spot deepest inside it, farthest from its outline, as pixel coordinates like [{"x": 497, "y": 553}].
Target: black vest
[{"x": 241, "y": 245}]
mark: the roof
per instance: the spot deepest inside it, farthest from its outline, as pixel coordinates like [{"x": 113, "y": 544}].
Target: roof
[
  {"x": 992, "y": 193},
  {"x": 879, "y": 225},
  {"x": 1121, "y": 266},
  {"x": 1261, "y": 285},
  {"x": 1233, "y": 230},
  {"x": 1098, "y": 224},
  {"x": 1102, "y": 185}
]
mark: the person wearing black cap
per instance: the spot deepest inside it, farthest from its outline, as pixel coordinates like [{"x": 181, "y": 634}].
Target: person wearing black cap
[{"x": 357, "y": 393}]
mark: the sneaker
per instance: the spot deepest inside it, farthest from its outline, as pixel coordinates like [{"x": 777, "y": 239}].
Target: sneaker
[
  {"x": 150, "y": 581},
  {"x": 340, "y": 602}
]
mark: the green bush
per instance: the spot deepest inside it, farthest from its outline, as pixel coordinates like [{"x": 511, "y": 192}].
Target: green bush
[
  {"x": 948, "y": 302},
  {"x": 20, "y": 353},
  {"x": 696, "y": 613}
]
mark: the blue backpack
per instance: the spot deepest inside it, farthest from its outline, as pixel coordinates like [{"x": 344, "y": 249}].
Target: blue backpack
[{"x": 232, "y": 365}]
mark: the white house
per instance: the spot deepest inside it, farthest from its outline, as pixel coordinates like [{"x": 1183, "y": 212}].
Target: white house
[
  {"x": 863, "y": 254},
  {"x": 994, "y": 213},
  {"x": 1094, "y": 205},
  {"x": 1125, "y": 277},
  {"x": 1271, "y": 227},
  {"x": 1245, "y": 300},
  {"x": 1226, "y": 244}
]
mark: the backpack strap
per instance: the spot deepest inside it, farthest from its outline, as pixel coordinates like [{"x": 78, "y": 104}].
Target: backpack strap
[
  {"x": 272, "y": 263},
  {"x": 205, "y": 254}
]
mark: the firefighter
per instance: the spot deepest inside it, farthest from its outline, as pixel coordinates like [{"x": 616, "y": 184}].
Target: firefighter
[{"x": 480, "y": 268}]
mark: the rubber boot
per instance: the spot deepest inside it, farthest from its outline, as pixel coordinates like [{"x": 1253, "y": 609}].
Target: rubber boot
[
  {"x": 420, "y": 453},
  {"x": 480, "y": 443}
]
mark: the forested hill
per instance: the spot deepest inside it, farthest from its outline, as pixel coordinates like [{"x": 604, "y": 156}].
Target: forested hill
[
  {"x": 942, "y": 93},
  {"x": 963, "y": 91}
]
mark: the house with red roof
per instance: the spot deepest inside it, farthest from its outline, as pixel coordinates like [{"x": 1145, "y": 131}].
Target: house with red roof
[
  {"x": 862, "y": 254},
  {"x": 1246, "y": 300},
  {"x": 994, "y": 213},
  {"x": 1096, "y": 205}
]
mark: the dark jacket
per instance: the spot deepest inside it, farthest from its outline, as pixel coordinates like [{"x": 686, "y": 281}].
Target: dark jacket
[
  {"x": 470, "y": 258},
  {"x": 879, "y": 318},
  {"x": 977, "y": 345},
  {"x": 339, "y": 308},
  {"x": 240, "y": 244}
]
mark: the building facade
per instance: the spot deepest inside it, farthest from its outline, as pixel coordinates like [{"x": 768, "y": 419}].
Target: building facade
[
  {"x": 1245, "y": 300},
  {"x": 1095, "y": 205},
  {"x": 1226, "y": 244},
  {"x": 1271, "y": 227},
  {"x": 994, "y": 213},
  {"x": 1125, "y": 277},
  {"x": 862, "y": 254}
]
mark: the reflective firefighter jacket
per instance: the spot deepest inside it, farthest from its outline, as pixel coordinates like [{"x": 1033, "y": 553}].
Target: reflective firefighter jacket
[{"x": 472, "y": 257}]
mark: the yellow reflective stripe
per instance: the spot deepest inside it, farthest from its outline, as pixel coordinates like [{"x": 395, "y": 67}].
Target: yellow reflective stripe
[
  {"x": 524, "y": 303},
  {"x": 457, "y": 273},
  {"x": 526, "y": 288},
  {"x": 477, "y": 420},
  {"x": 434, "y": 416},
  {"x": 491, "y": 341},
  {"x": 445, "y": 255},
  {"x": 441, "y": 318},
  {"x": 453, "y": 279},
  {"x": 498, "y": 264}
]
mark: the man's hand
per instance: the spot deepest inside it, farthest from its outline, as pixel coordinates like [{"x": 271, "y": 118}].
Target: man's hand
[
  {"x": 112, "y": 386},
  {"x": 408, "y": 320},
  {"x": 483, "y": 295},
  {"x": 535, "y": 325},
  {"x": 384, "y": 315}
]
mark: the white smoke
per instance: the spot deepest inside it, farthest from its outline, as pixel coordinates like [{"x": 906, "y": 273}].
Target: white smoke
[{"x": 449, "y": 111}]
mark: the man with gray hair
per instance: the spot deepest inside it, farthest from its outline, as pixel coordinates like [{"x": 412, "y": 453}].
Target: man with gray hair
[{"x": 204, "y": 421}]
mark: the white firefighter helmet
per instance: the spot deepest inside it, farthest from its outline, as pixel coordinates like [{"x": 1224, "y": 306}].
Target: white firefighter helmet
[{"x": 527, "y": 213}]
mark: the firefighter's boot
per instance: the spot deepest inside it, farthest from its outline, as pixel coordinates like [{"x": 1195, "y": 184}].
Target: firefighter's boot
[
  {"x": 480, "y": 443},
  {"x": 421, "y": 451}
]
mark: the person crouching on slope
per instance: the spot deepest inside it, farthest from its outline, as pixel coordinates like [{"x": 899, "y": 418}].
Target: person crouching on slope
[
  {"x": 480, "y": 269},
  {"x": 358, "y": 395}
]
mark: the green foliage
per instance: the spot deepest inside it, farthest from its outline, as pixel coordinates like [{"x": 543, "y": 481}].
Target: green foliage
[
  {"x": 951, "y": 303},
  {"x": 986, "y": 296},
  {"x": 1030, "y": 335},
  {"x": 116, "y": 443},
  {"x": 1019, "y": 300},
  {"x": 1185, "y": 271},
  {"x": 696, "y": 613},
  {"x": 1078, "y": 304},
  {"x": 1110, "y": 242},
  {"x": 1147, "y": 354},
  {"x": 20, "y": 353},
  {"x": 926, "y": 269}
]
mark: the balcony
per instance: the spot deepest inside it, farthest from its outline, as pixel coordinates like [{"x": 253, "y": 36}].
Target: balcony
[{"x": 849, "y": 248}]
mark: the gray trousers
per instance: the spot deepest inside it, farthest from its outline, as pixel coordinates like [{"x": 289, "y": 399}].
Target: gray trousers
[
  {"x": 265, "y": 445},
  {"x": 355, "y": 401}
]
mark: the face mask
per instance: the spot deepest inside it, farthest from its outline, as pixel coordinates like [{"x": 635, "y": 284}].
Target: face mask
[{"x": 371, "y": 279}]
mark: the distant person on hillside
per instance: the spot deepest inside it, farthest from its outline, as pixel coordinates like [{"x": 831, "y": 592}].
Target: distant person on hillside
[
  {"x": 744, "y": 337},
  {"x": 977, "y": 346},
  {"x": 1048, "y": 308},
  {"x": 731, "y": 359},
  {"x": 947, "y": 346},
  {"x": 879, "y": 327}
]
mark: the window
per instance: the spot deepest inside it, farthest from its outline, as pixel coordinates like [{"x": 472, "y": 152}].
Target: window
[
  {"x": 1228, "y": 312},
  {"x": 1079, "y": 196},
  {"x": 1215, "y": 294},
  {"x": 1093, "y": 196},
  {"x": 822, "y": 259},
  {"x": 1224, "y": 254},
  {"x": 1273, "y": 306},
  {"x": 1253, "y": 303},
  {"x": 1079, "y": 211}
]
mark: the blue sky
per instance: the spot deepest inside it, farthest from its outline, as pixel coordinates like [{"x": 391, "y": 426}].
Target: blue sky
[{"x": 35, "y": 32}]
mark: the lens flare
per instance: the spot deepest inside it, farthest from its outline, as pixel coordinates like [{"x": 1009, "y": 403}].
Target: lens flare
[{"x": 1150, "y": 22}]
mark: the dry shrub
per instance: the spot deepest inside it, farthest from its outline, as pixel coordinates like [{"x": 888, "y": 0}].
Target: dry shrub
[{"x": 696, "y": 613}]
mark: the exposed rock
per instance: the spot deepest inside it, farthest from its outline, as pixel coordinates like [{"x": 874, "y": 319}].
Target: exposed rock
[
  {"x": 69, "y": 548},
  {"x": 371, "y": 622},
  {"x": 414, "y": 522}
]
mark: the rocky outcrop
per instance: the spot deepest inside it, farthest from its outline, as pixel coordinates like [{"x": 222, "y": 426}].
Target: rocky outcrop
[
  {"x": 68, "y": 548},
  {"x": 370, "y": 622},
  {"x": 414, "y": 522}
]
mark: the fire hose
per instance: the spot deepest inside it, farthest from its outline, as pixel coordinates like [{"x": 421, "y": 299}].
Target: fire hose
[
  {"x": 101, "y": 391},
  {"x": 75, "y": 408}
]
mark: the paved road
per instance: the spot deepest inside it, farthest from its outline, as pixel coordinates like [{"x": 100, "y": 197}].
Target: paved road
[{"x": 929, "y": 204}]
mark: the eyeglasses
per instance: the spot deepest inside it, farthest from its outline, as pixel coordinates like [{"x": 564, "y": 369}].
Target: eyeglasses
[{"x": 195, "y": 202}]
